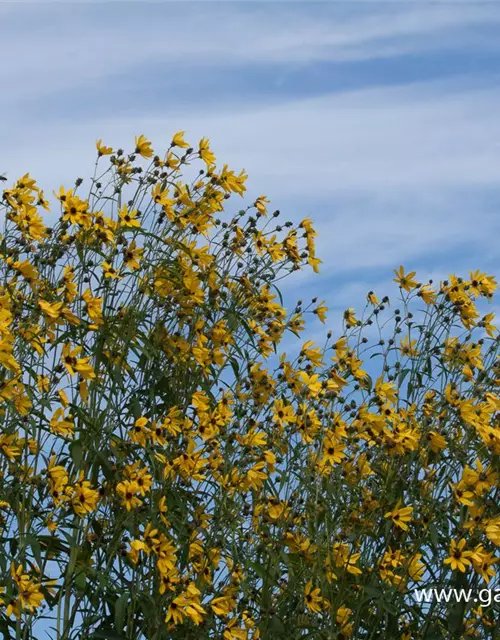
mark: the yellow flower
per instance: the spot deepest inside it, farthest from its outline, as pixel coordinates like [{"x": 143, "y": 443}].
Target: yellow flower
[
  {"x": 222, "y": 605},
  {"x": 314, "y": 262},
  {"x": 132, "y": 256},
  {"x": 436, "y": 441},
  {"x": 479, "y": 479},
  {"x": 333, "y": 451},
  {"x": 51, "y": 310},
  {"x": 427, "y": 293},
  {"x": 83, "y": 390},
  {"x": 405, "y": 281},
  {"x": 140, "y": 432},
  {"x": 160, "y": 197},
  {"x": 408, "y": 347},
  {"x": 52, "y": 526},
  {"x": 109, "y": 271},
  {"x": 350, "y": 317},
  {"x": 313, "y": 598},
  {"x": 459, "y": 558},
  {"x": 483, "y": 562},
  {"x": 76, "y": 365},
  {"x": 256, "y": 475},
  {"x": 312, "y": 383},
  {"x": 94, "y": 306},
  {"x": 140, "y": 476},
  {"x": 75, "y": 210},
  {"x": 342, "y": 618},
  {"x": 172, "y": 161},
  {"x": 260, "y": 205},
  {"x": 372, "y": 299},
  {"x": 400, "y": 516},
  {"x": 205, "y": 153},
  {"x": 62, "y": 425},
  {"x": 490, "y": 328},
  {"x": 102, "y": 150},
  {"x": 481, "y": 284},
  {"x": 129, "y": 218},
  {"x": 178, "y": 140},
  {"x": 127, "y": 491},
  {"x": 135, "y": 547},
  {"x": 416, "y": 568},
  {"x": 143, "y": 146},
  {"x": 84, "y": 498},
  {"x": 30, "y": 596},
  {"x": 43, "y": 383},
  {"x": 186, "y": 605}
]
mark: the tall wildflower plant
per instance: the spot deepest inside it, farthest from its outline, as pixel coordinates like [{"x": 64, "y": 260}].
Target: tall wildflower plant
[{"x": 168, "y": 472}]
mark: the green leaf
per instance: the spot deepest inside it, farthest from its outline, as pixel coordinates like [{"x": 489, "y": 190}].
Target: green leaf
[
  {"x": 76, "y": 451},
  {"x": 402, "y": 375},
  {"x": 428, "y": 368},
  {"x": 276, "y": 626},
  {"x": 373, "y": 592},
  {"x": 81, "y": 581},
  {"x": 149, "y": 608},
  {"x": 97, "y": 526},
  {"x": 103, "y": 461},
  {"x": 235, "y": 367},
  {"x": 121, "y": 610},
  {"x": 52, "y": 544},
  {"x": 13, "y": 543},
  {"x": 388, "y": 606},
  {"x": 34, "y": 543},
  {"x": 434, "y": 535},
  {"x": 261, "y": 571}
]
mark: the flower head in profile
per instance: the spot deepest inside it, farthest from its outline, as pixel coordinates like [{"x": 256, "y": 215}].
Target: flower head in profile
[
  {"x": 143, "y": 146},
  {"x": 102, "y": 150}
]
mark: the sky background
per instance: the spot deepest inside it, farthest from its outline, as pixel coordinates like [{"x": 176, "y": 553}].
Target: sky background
[{"x": 377, "y": 120}]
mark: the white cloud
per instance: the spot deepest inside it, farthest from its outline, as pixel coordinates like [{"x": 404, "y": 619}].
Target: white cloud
[
  {"x": 425, "y": 136},
  {"x": 385, "y": 167},
  {"x": 382, "y": 172},
  {"x": 56, "y": 48},
  {"x": 376, "y": 139}
]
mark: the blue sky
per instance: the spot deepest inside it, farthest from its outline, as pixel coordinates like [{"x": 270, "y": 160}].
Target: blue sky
[{"x": 377, "y": 120}]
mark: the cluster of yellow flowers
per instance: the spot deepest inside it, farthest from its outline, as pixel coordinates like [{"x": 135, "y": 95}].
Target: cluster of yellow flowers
[{"x": 168, "y": 472}]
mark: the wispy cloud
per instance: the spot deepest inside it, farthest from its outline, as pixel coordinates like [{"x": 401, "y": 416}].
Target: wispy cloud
[
  {"x": 425, "y": 135},
  {"x": 54, "y": 47},
  {"x": 392, "y": 170}
]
